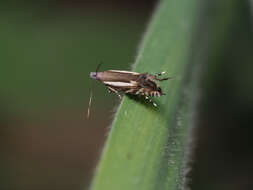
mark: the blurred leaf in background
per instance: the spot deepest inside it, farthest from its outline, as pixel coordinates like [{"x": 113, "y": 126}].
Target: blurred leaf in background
[{"x": 47, "y": 50}]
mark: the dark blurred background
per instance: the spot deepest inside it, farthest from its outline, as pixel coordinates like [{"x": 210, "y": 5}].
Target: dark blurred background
[{"x": 47, "y": 50}]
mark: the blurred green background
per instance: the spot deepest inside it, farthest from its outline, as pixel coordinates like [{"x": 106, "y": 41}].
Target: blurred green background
[{"x": 48, "y": 49}]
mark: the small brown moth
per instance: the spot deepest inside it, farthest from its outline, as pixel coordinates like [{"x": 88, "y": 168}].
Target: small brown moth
[{"x": 128, "y": 82}]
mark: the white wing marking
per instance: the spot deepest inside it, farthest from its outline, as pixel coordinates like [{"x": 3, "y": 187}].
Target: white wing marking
[
  {"x": 120, "y": 84},
  {"x": 129, "y": 72}
]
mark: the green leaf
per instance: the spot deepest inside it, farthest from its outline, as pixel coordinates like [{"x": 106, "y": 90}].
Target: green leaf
[{"x": 145, "y": 146}]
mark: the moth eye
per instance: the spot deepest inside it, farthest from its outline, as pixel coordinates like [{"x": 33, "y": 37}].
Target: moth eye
[{"x": 159, "y": 89}]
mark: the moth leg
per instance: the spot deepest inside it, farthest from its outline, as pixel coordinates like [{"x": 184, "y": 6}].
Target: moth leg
[
  {"x": 147, "y": 98},
  {"x": 140, "y": 91},
  {"x": 162, "y": 79},
  {"x": 130, "y": 91},
  {"x": 160, "y": 74},
  {"x": 114, "y": 91},
  {"x": 109, "y": 90}
]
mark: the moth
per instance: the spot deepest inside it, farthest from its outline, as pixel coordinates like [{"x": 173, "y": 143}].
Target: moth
[{"x": 128, "y": 82}]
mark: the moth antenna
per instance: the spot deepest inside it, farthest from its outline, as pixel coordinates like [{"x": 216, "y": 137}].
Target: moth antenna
[
  {"x": 91, "y": 94},
  {"x": 98, "y": 66},
  {"x": 89, "y": 106}
]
